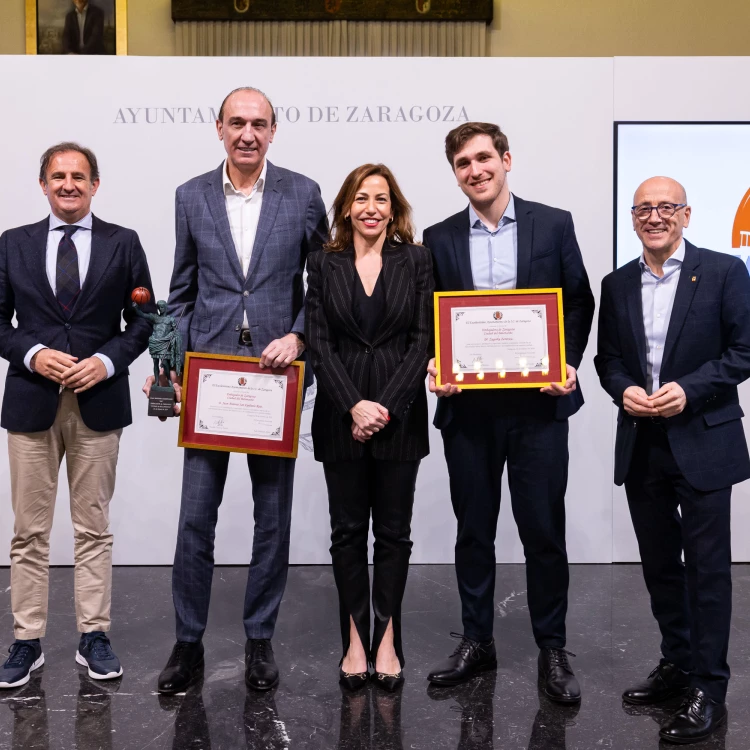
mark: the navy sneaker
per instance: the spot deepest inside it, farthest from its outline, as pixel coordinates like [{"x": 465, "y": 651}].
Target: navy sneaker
[
  {"x": 95, "y": 652},
  {"x": 25, "y": 657}
]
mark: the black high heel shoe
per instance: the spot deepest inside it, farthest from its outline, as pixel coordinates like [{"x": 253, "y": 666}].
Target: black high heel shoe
[
  {"x": 353, "y": 680},
  {"x": 389, "y": 682}
]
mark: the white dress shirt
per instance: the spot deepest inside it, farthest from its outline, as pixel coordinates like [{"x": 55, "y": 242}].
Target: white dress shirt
[
  {"x": 82, "y": 241},
  {"x": 657, "y": 298},
  {"x": 243, "y": 211},
  {"x": 81, "y": 23},
  {"x": 493, "y": 251}
]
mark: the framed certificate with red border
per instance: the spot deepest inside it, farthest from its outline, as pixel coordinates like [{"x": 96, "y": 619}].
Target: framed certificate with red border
[
  {"x": 232, "y": 404},
  {"x": 500, "y": 339}
]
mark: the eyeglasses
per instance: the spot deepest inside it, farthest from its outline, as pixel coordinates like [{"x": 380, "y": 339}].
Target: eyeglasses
[{"x": 664, "y": 210}]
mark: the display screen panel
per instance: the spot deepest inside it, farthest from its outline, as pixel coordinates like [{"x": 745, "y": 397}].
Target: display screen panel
[{"x": 712, "y": 161}]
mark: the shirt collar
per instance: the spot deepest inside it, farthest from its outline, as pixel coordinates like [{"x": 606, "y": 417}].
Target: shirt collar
[
  {"x": 508, "y": 215},
  {"x": 676, "y": 259},
  {"x": 85, "y": 223},
  {"x": 230, "y": 189}
]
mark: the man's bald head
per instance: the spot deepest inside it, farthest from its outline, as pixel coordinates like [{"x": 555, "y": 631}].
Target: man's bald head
[
  {"x": 660, "y": 214},
  {"x": 661, "y": 186}
]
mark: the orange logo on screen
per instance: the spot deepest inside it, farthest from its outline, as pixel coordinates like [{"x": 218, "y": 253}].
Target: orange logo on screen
[{"x": 741, "y": 228}]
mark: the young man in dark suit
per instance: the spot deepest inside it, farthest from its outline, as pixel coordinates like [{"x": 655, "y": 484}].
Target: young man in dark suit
[
  {"x": 503, "y": 242},
  {"x": 674, "y": 344},
  {"x": 68, "y": 280}
]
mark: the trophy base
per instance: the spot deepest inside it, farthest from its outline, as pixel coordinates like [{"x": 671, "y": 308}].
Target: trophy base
[{"x": 161, "y": 401}]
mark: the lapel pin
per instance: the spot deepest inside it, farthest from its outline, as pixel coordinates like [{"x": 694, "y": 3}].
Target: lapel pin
[{"x": 695, "y": 278}]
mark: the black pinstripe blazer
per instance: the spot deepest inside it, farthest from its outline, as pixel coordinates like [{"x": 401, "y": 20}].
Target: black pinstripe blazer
[{"x": 340, "y": 356}]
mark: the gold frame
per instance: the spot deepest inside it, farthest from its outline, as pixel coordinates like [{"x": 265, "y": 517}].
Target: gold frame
[
  {"x": 121, "y": 27},
  {"x": 491, "y": 292},
  {"x": 235, "y": 358}
]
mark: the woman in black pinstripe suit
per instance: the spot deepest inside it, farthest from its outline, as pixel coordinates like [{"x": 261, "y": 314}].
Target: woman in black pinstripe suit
[{"x": 368, "y": 331}]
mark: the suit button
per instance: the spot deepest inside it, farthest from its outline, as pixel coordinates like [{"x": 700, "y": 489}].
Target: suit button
[
  {"x": 237, "y": 328},
  {"x": 68, "y": 326},
  {"x": 245, "y": 293},
  {"x": 368, "y": 350}
]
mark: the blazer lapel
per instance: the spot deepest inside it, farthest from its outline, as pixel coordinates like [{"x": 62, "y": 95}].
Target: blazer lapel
[
  {"x": 462, "y": 250},
  {"x": 217, "y": 205},
  {"x": 634, "y": 303},
  {"x": 525, "y": 221},
  {"x": 340, "y": 284},
  {"x": 87, "y": 25},
  {"x": 35, "y": 259},
  {"x": 683, "y": 298},
  {"x": 268, "y": 210},
  {"x": 102, "y": 252},
  {"x": 396, "y": 280}
]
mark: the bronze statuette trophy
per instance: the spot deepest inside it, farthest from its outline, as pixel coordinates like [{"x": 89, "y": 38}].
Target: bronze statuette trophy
[{"x": 165, "y": 348}]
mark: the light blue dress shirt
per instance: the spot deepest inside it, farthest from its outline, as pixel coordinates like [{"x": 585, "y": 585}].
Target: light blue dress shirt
[
  {"x": 82, "y": 241},
  {"x": 494, "y": 250},
  {"x": 657, "y": 298}
]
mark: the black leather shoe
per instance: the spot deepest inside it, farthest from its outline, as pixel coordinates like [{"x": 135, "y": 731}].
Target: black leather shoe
[
  {"x": 469, "y": 659},
  {"x": 556, "y": 677},
  {"x": 698, "y": 717},
  {"x": 389, "y": 682},
  {"x": 261, "y": 672},
  {"x": 185, "y": 666},
  {"x": 353, "y": 680},
  {"x": 665, "y": 682}
]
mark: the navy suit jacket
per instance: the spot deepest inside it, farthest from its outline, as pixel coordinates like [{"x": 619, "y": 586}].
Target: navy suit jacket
[
  {"x": 548, "y": 256},
  {"x": 707, "y": 351},
  {"x": 93, "y": 33},
  {"x": 118, "y": 265},
  {"x": 208, "y": 292}
]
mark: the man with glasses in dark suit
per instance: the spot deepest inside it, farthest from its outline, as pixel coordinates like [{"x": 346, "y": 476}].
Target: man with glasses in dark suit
[
  {"x": 674, "y": 344},
  {"x": 243, "y": 234}
]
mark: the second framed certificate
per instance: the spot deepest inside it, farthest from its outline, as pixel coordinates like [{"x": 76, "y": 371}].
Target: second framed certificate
[
  {"x": 231, "y": 404},
  {"x": 500, "y": 339}
]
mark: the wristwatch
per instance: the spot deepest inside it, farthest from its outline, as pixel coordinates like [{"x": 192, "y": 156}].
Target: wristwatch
[{"x": 300, "y": 336}]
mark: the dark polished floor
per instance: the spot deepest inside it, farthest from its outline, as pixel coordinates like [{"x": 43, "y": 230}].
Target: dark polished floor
[{"x": 610, "y": 630}]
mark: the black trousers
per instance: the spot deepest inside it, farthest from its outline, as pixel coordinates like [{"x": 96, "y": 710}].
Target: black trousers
[
  {"x": 691, "y": 601},
  {"x": 355, "y": 489},
  {"x": 536, "y": 451}
]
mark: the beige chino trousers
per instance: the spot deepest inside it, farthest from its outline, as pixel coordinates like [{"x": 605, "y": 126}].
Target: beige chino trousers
[{"x": 91, "y": 461}]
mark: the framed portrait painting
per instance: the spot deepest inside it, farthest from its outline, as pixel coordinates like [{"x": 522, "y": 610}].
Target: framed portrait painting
[{"x": 76, "y": 27}]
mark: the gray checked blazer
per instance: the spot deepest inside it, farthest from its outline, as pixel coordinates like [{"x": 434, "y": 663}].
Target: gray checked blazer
[{"x": 208, "y": 289}]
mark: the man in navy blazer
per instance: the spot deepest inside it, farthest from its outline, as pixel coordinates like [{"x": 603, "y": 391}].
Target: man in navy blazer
[
  {"x": 68, "y": 280},
  {"x": 243, "y": 234},
  {"x": 503, "y": 242},
  {"x": 83, "y": 33},
  {"x": 674, "y": 344}
]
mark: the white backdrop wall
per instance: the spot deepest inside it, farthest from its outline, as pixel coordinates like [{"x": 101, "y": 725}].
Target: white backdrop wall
[{"x": 150, "y": 123}]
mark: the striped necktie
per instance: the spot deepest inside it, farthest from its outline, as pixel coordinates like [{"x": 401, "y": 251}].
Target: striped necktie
[{"x": 67, "y": 279}]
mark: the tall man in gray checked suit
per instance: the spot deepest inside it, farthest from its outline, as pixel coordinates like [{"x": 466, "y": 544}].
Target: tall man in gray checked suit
[{"x": 243, "y": 234}]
